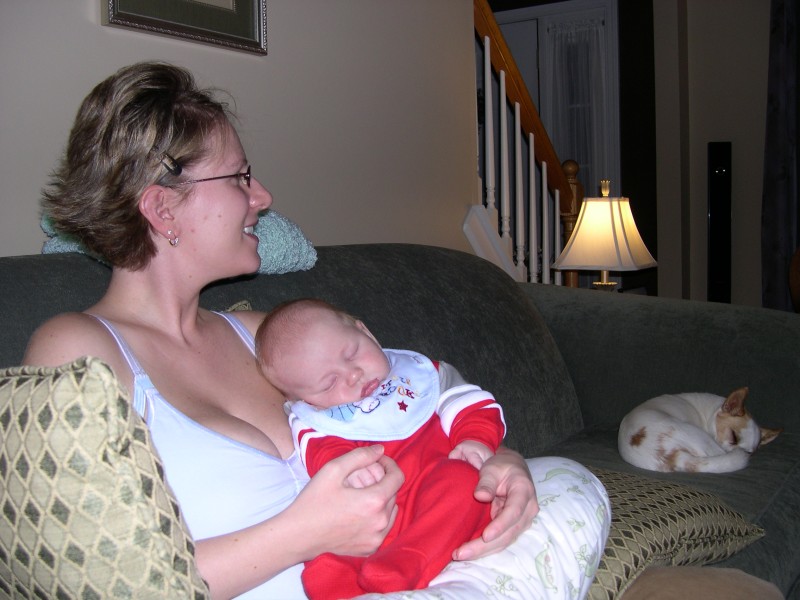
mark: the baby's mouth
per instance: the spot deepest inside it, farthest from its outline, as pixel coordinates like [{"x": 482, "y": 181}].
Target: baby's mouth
[{"x": 369, "y": 387}]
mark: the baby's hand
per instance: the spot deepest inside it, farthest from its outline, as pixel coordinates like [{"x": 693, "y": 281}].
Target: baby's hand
[
  {"x": 366, "y": 476},
  {"x": 475, "y": 453}
]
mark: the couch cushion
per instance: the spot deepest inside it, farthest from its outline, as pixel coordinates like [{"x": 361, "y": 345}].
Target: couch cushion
[
  {"x": 449, "y": 305},
  {"x": 766, "y": 493},
  {"x": 35, "y": 288},
  {"x": 658, "y": 523},
  {"x": 85, "y": 509}
]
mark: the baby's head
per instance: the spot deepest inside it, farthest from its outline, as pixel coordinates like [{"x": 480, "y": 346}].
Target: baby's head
[{"x": 312, "y": 351}]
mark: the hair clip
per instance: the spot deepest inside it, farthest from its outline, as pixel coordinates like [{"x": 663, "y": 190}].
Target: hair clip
[{"x": 170, "y": 164}]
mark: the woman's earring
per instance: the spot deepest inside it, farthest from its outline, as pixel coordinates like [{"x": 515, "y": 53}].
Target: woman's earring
[{"x": 173, "y": 241}]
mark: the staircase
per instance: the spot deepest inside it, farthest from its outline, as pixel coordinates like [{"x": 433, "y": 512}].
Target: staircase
[{"x": 520, "y": 228}]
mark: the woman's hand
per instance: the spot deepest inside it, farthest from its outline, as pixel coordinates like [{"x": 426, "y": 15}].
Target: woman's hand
[
  {"x": 328, "y": 516},
  {"x": 506, "y": 482},
  {"x": 344, "y": 519}
]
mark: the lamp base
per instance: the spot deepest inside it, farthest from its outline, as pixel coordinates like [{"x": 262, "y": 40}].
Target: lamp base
[
  {"x": 605, "y": 283},
  {"x": 606, "y": 286}
]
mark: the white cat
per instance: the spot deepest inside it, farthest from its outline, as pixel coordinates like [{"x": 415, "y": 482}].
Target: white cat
[{"x": 692, "y": 432}]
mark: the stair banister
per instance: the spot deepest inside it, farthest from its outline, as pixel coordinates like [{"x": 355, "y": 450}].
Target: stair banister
[
  {"x": 486, "y": 26},
  {"x": 560, "y": 179}
]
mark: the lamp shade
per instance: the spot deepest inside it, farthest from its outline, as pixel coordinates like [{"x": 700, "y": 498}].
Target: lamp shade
[{"x": 605, "y": 238}]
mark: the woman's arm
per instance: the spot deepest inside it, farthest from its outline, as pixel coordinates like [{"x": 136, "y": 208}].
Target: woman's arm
[
  {"x": 327, "y": 516},
  {"x": 506, "y": 482}
]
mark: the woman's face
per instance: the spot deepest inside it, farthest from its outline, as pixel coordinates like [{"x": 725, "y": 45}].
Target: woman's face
[{"x": 216, "y": 221}]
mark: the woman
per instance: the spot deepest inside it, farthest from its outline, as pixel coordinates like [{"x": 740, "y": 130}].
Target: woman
[{"x": 155, "y": 180}]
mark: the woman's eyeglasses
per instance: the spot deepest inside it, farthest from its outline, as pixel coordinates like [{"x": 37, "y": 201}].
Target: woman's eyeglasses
[{"x": 244, "y": 177}]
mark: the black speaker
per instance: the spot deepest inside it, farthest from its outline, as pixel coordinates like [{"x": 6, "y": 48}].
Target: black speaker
[{"x": 719, "y": 221}]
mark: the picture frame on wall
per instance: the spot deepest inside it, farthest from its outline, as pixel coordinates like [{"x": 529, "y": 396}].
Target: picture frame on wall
[{"x": 234, "y": 24}]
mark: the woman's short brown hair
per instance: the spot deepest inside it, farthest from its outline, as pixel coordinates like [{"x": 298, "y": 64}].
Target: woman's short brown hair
[{"x": 124, "y": 128}]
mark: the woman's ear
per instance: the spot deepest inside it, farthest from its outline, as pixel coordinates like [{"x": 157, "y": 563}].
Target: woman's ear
[{"x": 155, "y": 204}]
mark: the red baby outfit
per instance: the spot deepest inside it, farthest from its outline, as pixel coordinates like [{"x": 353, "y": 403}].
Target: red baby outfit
[{"x": 436, "y": 508}]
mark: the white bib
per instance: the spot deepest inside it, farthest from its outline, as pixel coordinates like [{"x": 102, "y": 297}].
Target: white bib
[{"x": 400, "y": 405}]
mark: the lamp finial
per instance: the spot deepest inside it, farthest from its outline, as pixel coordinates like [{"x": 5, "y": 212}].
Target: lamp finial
[{"x": 605, "y": 187}]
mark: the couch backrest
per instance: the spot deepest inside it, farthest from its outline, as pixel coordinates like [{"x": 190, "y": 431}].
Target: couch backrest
[
  {"x": 37, "y": 287},
  {"x": 447, "y": 304},
  {"x": 622, "y": 349}
]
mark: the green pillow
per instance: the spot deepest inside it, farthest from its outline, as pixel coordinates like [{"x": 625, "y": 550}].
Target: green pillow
[
  {"x": 658, "y": 523},
  {"x": 84, "y": 508}
]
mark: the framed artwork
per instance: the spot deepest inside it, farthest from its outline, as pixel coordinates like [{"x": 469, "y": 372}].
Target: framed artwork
[{"x": 235, "y": 24}]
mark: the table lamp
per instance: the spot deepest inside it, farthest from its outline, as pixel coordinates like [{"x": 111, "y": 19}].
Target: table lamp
[{"x": 605, "y": 239}]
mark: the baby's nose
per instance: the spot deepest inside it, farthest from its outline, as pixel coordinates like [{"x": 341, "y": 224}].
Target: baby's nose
[{"x": 355, "y": 375}]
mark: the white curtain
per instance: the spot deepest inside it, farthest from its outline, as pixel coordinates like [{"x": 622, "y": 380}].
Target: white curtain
[{"x": 576, "y": 97}]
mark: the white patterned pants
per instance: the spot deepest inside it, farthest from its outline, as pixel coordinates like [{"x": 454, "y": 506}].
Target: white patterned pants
[{"x": 555, "y": 558}]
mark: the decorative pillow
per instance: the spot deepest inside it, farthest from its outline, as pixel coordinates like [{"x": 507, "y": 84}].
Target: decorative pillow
[
  {"x": 84, "y": 508},
  {"x": 282, "y": 246},
  {"x": 658, "y": 523}
]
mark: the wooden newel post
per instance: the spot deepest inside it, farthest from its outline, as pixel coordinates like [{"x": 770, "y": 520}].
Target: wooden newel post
[{"x": 570, "y": 207}]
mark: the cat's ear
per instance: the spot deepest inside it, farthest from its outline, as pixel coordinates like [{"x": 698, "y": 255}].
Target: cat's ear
[
  {"x": 767, "y": 435},
  {"x": 734, "y": 403}
]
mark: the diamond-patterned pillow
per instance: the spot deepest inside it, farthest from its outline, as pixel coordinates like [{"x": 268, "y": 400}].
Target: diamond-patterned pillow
[
  {"x": 84, "y": 508},
  {"x": 658, "y": 523}
]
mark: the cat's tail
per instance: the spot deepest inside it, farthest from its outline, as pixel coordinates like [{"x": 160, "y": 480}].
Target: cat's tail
[{"x": 722, "y": 463}]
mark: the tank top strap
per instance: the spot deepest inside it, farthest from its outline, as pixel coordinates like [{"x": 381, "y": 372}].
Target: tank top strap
[
  {"x": 130, "y": 358},
  {"x": 239, "y": 327},
  {"x": 141, "y": 381}
]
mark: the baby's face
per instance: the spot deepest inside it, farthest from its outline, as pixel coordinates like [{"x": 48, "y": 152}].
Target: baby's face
[{"x": 334, "y": 362}]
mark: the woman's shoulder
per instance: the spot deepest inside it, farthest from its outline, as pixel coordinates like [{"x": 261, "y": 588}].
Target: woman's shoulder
[{"x": 69, "y": 336}]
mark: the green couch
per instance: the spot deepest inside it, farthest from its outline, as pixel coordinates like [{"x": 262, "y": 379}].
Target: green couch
[{"x": 566, "y": 365}]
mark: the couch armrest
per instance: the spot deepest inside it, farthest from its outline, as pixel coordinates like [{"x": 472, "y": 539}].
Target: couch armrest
[{"x": 623, "y": 349}]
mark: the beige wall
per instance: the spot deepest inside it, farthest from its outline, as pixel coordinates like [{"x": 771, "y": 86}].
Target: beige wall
[
  {"x": 361, "y": 120},
  {"x": 711, "y": 77}
]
